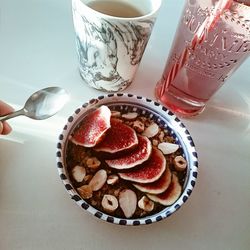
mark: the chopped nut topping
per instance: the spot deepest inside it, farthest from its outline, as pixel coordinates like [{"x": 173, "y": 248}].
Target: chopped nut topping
[
  {"x": 155, "y": 142},
  {"x": 93, "y": 162},
  {"x": 151, "y": 131},
  {"x": 98, "y": 180},
  {"x": 130, "y": 116},
  {"x": 161, "y": 136},
  {"x": 85, "y": 191},
  {"x": 78, "y": 172},
  {"x": 128, "y": 202},
  {"x": 112, "y": 179},
  {"x": 138, "y": 126},
  {"x": 109, "y": 203},
  {"x": 168, "y": 148},
  {"x": 88, "y": 177},
  {"x": 116, "y": 192},
  {"x": 146, "y": 204},
  {"x": 115, "y": 114},
  {"x": 180, "y": 163}
]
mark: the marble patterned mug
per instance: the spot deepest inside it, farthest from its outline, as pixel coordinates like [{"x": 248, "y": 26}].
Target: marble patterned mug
[{"x": 111, "y": 36}]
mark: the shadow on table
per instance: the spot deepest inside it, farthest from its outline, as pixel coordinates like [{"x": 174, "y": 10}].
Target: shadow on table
[
  {"x": 176, "y": 229},
  {"x": 229, "y": 109}
]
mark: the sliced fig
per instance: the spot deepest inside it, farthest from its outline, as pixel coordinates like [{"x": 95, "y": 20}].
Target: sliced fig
[
  {"x": 168, "y": 197},
  {"x": 149, "y": 171},
  {"x": 135, "y": 157},
  {"x": 93, "y": 127},
  {"x": 120, "y": 137},
  {"x": 158, "y": 186}
]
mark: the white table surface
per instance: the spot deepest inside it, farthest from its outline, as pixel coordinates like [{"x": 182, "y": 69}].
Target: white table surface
[{"x": 37, "y": 49}]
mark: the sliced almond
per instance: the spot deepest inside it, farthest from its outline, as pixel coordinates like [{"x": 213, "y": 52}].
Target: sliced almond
[
  {"x": 109, "y": 203},
  {"x": 151, "y": 130},
  {"x": 78, "y": 173},
  {"x": 98, "y": 180},
  {"x": 115, "y": 113},
  {"x": 168, "y": 148},
  {"x": 112, "y": 179},
  {"x": 130, "y": 116},
  {"x": 146, "y": 204},
  {"x": 128, "y": 202}
]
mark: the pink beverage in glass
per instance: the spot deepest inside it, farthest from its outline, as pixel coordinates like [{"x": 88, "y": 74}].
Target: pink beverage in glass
[{"x": 193, "y": 73}]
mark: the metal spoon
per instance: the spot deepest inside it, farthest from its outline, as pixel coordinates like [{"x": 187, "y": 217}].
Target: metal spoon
[{"x": 42, "y": 104}]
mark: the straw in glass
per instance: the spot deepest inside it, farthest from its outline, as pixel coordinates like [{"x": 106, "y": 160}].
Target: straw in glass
[{"x": 201, "y": 34}]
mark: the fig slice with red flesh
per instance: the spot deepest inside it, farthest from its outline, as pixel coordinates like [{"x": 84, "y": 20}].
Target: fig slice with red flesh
[
  {"x": 135, "y": 157},
  {"x": 170, "y": 196},
  {"x": 149, "y": 171},
  {"x": 120, "y": 137},
  {"x": 158, "y": 186},
  {"x": 93, "y": 128}
]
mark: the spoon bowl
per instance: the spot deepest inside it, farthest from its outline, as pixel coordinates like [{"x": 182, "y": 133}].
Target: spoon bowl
[{"x": 42, "y": 104}]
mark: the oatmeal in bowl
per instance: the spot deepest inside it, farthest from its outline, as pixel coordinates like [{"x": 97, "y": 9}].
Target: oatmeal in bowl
[{"x": 126, "y": 159}]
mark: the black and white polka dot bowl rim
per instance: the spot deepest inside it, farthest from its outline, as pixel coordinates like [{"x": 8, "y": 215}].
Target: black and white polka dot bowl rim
[{"x": 163, "y": 117}]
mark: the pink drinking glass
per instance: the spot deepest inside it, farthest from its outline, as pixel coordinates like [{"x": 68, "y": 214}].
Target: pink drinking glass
[{"x": 211, "y": 42}]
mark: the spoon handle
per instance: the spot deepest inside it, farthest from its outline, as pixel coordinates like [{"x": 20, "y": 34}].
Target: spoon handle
[{"x": 12, "y": 115}]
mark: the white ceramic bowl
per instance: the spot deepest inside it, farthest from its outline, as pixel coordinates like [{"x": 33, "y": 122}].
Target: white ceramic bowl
[{"x": 162, "y": 116}]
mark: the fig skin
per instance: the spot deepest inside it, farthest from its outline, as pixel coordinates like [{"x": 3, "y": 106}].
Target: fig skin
[
  {"x": 149, "y": 171},
  {"x": 135, "y": 157},
  {"x": 93, "y": 128},
  {"x": 158, "y": 186},
  {"x": 171, "y": 195},
  {"x": 119, "y": 138}
]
